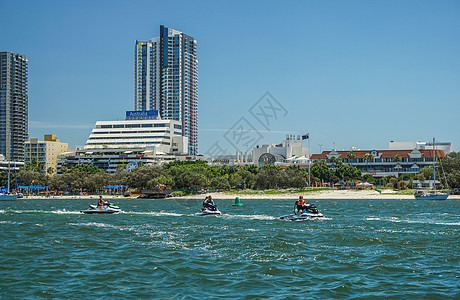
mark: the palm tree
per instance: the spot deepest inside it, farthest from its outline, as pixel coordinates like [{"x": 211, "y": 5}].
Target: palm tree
[
  {"x": 397, "y": 158},
  {"x": 351, "y": 155},
  {"x": 50, "y": 171},
  {"x": 368, "y": 157}
]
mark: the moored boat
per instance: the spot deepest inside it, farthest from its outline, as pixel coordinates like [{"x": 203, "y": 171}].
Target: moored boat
[{"x": 432, "y": 195}]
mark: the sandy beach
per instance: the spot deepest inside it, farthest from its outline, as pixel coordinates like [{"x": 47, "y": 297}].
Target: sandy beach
[{"x": 326, "y": 194}]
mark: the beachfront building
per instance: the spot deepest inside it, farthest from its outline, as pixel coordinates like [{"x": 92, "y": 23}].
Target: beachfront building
[
  {"x": 289, "y": 152},
  {"x": 44, "y": 152},
  {"x": 13, "y": 105},
  {"x": 166, "y": 80},
  {"x": 381, "y": 163},
  {"x": 139, "y": 140}
]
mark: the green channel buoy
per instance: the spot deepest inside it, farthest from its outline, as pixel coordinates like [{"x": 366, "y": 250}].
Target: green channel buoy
[{"x": 237, "y": 202}]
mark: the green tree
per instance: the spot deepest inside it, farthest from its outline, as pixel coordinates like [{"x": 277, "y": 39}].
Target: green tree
[
  {"x": 50, "y": 171},
  {"x": 268, "y": 177},
  {"x": 450, "y": 167},
  {"x": 427, "y": 173},
  {"x": 320, "y": 170},
  {"x": 85, "y": 168},
  {"x": 397, "y": 158},
  {"x": 368, "y": 157},
  {"x": 351, "y": 155},
  {"x": 336, "y": 161},
  {"x": 140, "y": 176},
  {"x": 163, "y": 180},
  {"x": 348, "y": 172}
]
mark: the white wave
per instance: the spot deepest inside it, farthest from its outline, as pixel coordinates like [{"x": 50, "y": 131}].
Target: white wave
[
  {"x": 10, "y": 222},
  {"x": 250, "y": 217},
  {"x": 153, "y": 213},
  {"x": 94, "y": 224},
  {"x": 428, "y": 221},
  {"x": 65, "y": 212},
  {"x": 2, "y": 211}
]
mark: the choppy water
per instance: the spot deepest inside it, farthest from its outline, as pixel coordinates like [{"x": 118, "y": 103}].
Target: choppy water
[{"x": 362, "y": 249}]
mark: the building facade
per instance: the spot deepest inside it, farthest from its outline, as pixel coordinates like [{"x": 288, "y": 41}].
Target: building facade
[
  {"x": 290, "y": 152},
  {"x": 13, "y": 105},
  {"x": 44, "y": 152},
  {"x": 166, "y": 79},
  {"x": 141, "y": 139},
  {"x": 381, "y": 163},
  {"x": 165, "y": 136}
]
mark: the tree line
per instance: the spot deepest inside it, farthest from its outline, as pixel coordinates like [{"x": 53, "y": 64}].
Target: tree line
[{"x": 194, "y": 175}]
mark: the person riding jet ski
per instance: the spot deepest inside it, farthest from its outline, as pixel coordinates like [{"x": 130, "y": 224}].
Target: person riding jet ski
[
  {"x": 299, "y": 205},
  {"x": 101, "y": 203},
  {"x": 208, "y": 203}
]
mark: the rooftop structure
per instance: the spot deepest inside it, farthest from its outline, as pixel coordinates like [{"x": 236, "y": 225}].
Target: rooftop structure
[{"x": 446, "y": 147}]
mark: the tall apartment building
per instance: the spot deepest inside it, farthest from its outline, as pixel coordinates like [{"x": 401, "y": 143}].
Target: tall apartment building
[
  {"x": 13, "y": 105},
  {"x": 45, "y": 152},
  {"x": 166, "y": 79}
]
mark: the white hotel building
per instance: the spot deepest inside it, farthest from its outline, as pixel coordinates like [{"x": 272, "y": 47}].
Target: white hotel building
[{"x": 125, "y": 144}]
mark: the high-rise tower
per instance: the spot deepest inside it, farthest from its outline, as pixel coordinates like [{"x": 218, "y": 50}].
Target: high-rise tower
[
  {"x": 166, "y": 79},
  {"x": 13, "y": 104}
]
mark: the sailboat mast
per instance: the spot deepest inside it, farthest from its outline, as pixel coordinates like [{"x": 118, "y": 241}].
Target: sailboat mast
[
  {"x": 434, "y": 166},
  {"x": 9, "y": 166}
]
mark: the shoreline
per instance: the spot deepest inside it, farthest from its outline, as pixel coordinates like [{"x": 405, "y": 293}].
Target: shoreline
[{"x": 317, "y": 195}]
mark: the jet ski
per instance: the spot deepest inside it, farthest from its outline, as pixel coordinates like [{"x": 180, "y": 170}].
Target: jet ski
[
  {"x": 209, "y": 210},
  {"x": 309, "y": 212},
  {"x": 106, "y": 209}
]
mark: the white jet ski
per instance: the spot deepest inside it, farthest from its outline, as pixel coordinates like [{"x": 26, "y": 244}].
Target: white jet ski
[
  {"x": 210, "y": 210},
  {"x": 309, "y": 212},
  {"x": 106, "y": 209}
]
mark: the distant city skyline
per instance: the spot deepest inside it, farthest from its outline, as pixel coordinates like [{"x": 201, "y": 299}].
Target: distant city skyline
[{"x": 352, "y": 74}]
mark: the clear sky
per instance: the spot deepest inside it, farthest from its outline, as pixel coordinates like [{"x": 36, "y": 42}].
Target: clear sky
[{"x": 349, "y": 73}]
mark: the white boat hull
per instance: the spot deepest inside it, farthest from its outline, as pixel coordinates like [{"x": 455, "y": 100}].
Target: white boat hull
[
  {"x": 8, "y": 197},
  {"x": 93, "y": 209},
  {"x": 208, "y": 212},
  {"x": 304, "y": 216},
  {"x": 432, "y": 197}
]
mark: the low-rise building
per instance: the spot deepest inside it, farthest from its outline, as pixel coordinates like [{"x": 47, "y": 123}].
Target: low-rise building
[
  {"x": 44, "y": 152},
  {"x": 381, "y": 163}
]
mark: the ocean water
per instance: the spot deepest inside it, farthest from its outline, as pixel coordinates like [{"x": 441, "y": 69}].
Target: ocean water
[{"x": 157, "y": 249}]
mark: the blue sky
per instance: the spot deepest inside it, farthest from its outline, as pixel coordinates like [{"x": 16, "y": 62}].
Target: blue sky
[{"x": 350, "y": 73}]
